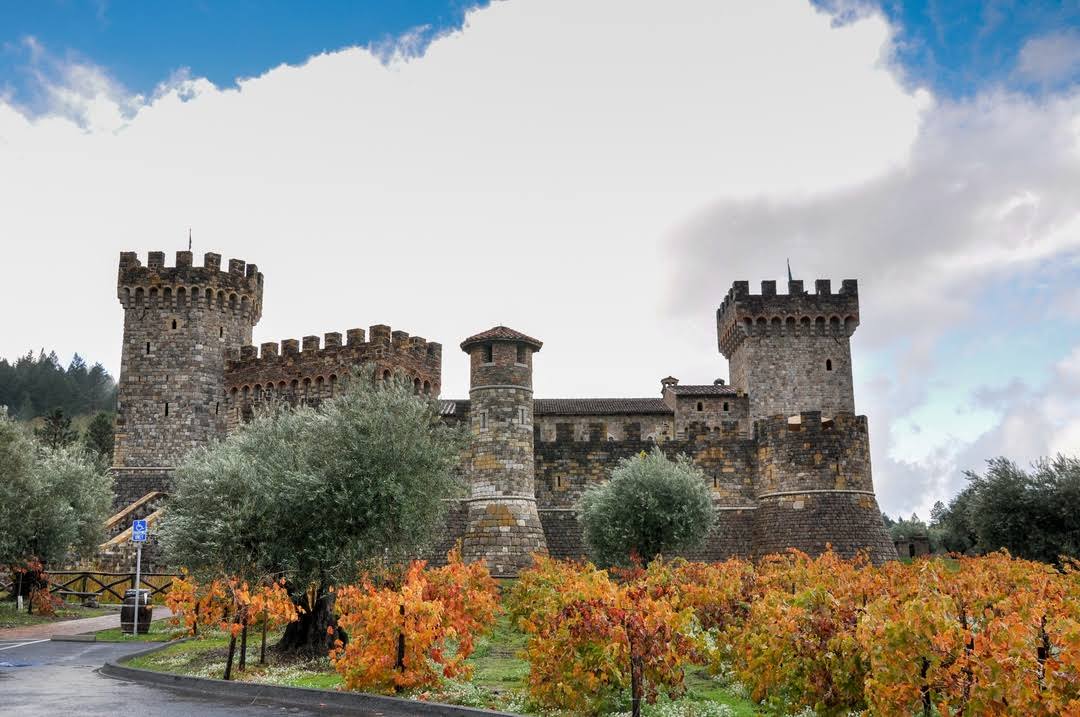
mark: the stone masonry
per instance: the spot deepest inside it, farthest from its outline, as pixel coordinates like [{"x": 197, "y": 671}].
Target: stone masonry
[
  {"x": 783, "y": 453},
  {"x": 502, "y": 525},
  {"x": 179, "y": 322}
]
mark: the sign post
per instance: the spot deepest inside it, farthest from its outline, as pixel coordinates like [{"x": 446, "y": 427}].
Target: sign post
[{"x": 138, "y": 536}]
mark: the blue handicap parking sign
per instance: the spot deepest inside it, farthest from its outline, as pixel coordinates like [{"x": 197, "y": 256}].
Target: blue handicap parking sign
[{"x": 138, "y": 531}]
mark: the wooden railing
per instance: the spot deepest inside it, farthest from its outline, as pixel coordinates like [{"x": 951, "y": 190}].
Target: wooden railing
[
  {"x": 116, "y": 520},
  {"x": 124, "y": 536},
  {"x": 110, "y": 587}
]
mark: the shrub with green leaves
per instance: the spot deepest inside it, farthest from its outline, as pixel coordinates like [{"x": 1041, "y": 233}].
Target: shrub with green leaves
[
  {"x": 651, "y": 506},
  {"x": 53, "y": 501}
]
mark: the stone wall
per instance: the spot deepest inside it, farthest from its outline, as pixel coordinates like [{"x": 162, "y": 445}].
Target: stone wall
[
  {"x": 566, "y": 466},
  {"x": 710, "y": 410},
  {"x": 305, "y": 372},
  {"x": 659, "y": 427},
  {"x": 815, "y": 487},
  {"x": 130, "y": 484}
]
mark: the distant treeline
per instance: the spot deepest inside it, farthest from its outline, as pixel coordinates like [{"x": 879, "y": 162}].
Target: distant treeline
[
  {"x": 35, "y": 386},
  {"x": 1033, "y": 513}
]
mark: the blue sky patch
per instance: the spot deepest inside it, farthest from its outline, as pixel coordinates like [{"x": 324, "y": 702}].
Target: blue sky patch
[
  {"x": 141, "y": 44},
  {"x": 958, "y": 47}
]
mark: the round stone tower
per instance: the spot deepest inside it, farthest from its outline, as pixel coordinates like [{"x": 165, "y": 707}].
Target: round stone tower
[
  {"x": 179, "y": 322},
  {"x": 503, "y": 526}
]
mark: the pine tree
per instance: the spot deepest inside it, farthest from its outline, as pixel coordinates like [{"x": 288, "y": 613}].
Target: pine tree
[
  {"x": 99, "y": 437},
  {"x": 56, "y": 432}
]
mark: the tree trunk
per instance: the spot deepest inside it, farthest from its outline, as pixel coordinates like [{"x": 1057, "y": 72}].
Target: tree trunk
[
  {"x": 243, "y": 645},
  {"x": 312, "y": 635},
  {"x": 229, "y": 659},
  {"x": 262, "y": 650},
  {"x": 635, "y": 685}
]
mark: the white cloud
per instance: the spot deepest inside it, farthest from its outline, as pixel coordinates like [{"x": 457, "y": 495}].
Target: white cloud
[
  {"x": 522, "y": 170},
  {"x": 1050, "y": 58},
  {"x": 575, "y": 170},
  {"x": 985, "y": 207}
]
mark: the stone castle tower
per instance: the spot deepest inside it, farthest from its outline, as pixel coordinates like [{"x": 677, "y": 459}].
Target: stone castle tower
[
  {"x": 502, "y": 522},
  {"x": 790, "y": 352},
  {"x": 179, "y": 323}
]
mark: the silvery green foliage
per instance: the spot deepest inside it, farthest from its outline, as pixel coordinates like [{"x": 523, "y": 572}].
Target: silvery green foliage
[
  {"x": 651, "y": 506},
  {"x": 53, "y": 502},
  {"x": 310, "y": 493}
]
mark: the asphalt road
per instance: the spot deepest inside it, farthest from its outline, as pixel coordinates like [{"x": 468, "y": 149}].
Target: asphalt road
[{"x": 45, "y": 678}]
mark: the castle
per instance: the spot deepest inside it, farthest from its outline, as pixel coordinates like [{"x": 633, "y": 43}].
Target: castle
[{"x": 785, "y": 456}]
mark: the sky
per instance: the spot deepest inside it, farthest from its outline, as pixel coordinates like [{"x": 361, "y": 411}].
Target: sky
[{"x": 594, "y": 173}]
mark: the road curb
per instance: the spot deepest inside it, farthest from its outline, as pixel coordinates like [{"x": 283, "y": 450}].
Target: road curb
[
  {"x": 308, "y": 697},
  {"x": 84, "y": 637}
]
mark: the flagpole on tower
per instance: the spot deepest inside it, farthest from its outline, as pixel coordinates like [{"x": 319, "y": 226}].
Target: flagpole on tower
[{"x": 189, "y": 238}]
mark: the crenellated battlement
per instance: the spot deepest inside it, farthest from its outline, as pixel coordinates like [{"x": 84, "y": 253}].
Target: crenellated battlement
[
  {"x": 803, "y": 452},
  {"x": 796, "y": 313},
  {"x": 239, "y": 288},
  {"x": 807, "y": 423},
  {"x": 316, "y": 359},
  {"x": 331, "y": 343}
]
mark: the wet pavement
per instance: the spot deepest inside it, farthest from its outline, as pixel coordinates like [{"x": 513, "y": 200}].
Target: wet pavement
[{"x": 43, "y": 677}]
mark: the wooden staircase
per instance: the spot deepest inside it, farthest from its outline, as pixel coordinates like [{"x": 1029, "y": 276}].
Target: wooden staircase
[{"x": 118, "y": 552}]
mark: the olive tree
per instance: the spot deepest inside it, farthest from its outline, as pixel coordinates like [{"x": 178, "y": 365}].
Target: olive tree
[
  {"x": 651, "y": 506},
  {"x": 53, "y": 501},
  {"x": 314, "y": 494}
]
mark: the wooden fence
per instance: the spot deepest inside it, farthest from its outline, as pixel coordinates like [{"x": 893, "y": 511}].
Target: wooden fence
[{"x": 109, "y": 587}]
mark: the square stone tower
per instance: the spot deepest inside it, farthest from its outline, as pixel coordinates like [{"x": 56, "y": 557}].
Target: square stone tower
[
  {"x": 179, "y": 322},
  {"x": 790, "y": 352}
]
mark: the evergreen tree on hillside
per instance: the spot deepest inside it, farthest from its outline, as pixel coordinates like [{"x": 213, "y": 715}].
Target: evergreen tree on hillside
[
  {"x": 99, "y": 437},
  {"x": 56, "y": 432},
  {"x": 34, "y": 386}
]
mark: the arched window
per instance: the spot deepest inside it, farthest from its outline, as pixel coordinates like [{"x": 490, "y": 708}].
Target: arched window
[
  {"x": 386, "y": 375},
  {"x": 174, "y": 324},
  {"x": 828, "y": 364},
  {"x": 416, "y": 386},
  {"x": 427, "y": 388}
]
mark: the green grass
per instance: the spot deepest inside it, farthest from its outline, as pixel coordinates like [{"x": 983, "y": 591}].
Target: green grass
[
  {"x": 160, "y": 631},
  {"x": 11, "y": 616},
  {"x": 499, "y": 677}
]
